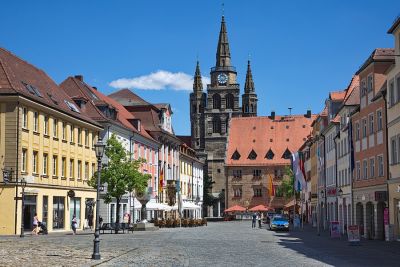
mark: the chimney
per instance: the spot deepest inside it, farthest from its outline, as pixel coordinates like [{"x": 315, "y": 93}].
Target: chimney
[
  {"x": 308, "y": 114},
  {"x": 94, "y": 87},
  {"x": 136, "y": 124},
  {"x": 272, "y": 117},
  {"x": 79, "y": 77}
]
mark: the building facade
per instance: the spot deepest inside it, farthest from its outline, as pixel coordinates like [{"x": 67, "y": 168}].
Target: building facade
[
  {"x": 47, "y": 142},
  {"x": 255, "y": 165},
  {"x": 393, "y": 128},
  {"x": 370, "y": 174},
  {"x": 115, "y": 120}
]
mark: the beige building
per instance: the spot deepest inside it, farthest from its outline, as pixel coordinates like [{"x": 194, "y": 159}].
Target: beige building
[
  {"x": 46, "y": 141},
  {"x": 393, "y": 128}
]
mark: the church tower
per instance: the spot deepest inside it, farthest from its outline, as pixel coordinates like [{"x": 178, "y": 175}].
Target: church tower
[
  {"x": 249, "y": 98},
  {"x": 197, "y": 105}
]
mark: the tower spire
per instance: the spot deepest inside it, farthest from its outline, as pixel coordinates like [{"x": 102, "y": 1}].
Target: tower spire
[
  {"x": 197, "y": 82},
  {"x": 249, "y": 85},
  {"x": 223, "y": 58}
]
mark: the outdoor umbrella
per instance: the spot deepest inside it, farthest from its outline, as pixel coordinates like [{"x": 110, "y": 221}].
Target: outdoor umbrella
[
  {"x": 260, "y": 208},
  {"x": 235, "y": 208}
]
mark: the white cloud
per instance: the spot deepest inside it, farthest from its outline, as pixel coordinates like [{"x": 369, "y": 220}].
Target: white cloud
[{"x": 159, "y": 80}]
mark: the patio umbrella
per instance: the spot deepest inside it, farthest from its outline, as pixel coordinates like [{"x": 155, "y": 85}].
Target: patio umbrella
[
  {"x": 235, "y": 208},
  {"x": 260, "y": 208}
]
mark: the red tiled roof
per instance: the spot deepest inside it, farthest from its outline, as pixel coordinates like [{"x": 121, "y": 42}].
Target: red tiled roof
[
  {"x": 79, "y": 88},
  {"x": 337, "y": 95},
  {"x": 14, "y": 72},
  {"x": 263, "y": 134},
  {"x": 126, "y": 95},
  {"x": 186, "y": 139},
  {"x": 379, "y": 54}
]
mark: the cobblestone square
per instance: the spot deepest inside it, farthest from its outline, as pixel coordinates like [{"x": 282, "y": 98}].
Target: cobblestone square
[{"x": 218, "y": 244}]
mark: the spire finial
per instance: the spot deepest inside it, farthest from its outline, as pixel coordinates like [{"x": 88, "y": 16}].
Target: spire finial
[{"x": 223, "y": 9}]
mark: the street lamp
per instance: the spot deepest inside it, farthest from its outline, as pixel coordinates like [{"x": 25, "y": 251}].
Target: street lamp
[
  {"x": 23, "y": 185},
  {"x": 99, "y": 148}
]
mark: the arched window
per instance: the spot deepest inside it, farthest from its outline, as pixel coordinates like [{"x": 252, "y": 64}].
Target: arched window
[
  {"x": 252, "y": 108},
  {"x": 246, "y": 108},
  {"x": 229, "y": 101},
  {"x": 216, "y": 101},
  {"x": 216, "y": 125}
]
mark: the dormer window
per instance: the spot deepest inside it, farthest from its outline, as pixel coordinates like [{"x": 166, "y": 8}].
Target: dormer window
[
  {"x": 32, "y": 89},
  {"x": 235, "y": 155},
  {"x": 252, "y": 155},
  {"x": 287, "y": 154},
  {"x": 270, "y": 154}
]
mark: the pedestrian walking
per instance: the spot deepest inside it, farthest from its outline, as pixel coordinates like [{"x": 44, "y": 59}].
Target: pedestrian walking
[
  {"x": 35, "y": 224},
  {"x": 253, "y": 221},
  {"x": 90, "y": 221},
  {"x": 74, "y": 224},
  {"x": 259, "y": 220}
]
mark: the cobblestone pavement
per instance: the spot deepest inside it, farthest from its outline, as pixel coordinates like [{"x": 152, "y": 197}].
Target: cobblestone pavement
[{"x": 218, "y": 244}]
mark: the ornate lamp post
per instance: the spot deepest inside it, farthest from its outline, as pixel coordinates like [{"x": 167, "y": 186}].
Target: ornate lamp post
[{"x": 99, "y": 147}]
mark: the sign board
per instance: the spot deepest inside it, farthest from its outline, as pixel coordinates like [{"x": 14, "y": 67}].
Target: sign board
[
  {"x": 335, "y": 229},
  {"x": 17, "y": 198},
  {"x": 353, "y": 233}
]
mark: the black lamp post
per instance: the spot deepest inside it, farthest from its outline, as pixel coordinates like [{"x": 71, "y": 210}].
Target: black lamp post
[
  {"x": 99, "y": 148},
  {"x": 23, "y": 185}
]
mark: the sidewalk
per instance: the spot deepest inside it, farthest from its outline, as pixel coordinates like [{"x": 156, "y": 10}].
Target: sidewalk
[{"x": 367, "y": 253}]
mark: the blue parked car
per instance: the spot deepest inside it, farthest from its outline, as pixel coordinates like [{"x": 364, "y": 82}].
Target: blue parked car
[{"x": 279, "y": 223}]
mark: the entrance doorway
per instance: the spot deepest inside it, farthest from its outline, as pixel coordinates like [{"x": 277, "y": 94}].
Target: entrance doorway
[
  {"x": 29, "y": 211},
  {"x": 370, "y": 220},
  {"x": 380, "y": 234},
  {"x": 360, "y": 217}
]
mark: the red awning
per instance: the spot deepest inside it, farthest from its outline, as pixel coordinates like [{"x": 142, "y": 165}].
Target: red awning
[
  {"x": 260, "y": 208},
  {"x": 235, "y": 208}
]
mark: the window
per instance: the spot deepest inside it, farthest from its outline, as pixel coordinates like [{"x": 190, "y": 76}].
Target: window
[
  {"x": 363, "y": 88},
  {"x": 35, "y": 162},
  {"x": 71, "y": 168},
  {"x": 364, "y": 128},
  {"x": 24, "y": 118},
  {"x": 32, "y": 89},
  {"x": 235, "y": 155},
  {"x": 64, "y": 131},
  {"x": 46, "y": 125},
  {"x": 358, "y": 170},
  {"x": 380, "y": 165},
  {"x": 357, "y": 131},
  {"x": 72, "y": 135},
  {"x": 365, "y": 169},
  {"x": 398, "y": 89},
  {"x": 86, "y": 170},
  {"x": 94, "y": 142},
  {"x": 257, "y": 173},
  {"x": 287, "y": 154},
  {"x": 394, "y": 153},
  {"x": 55, "y": 166},
  {"x": 237, "y": 173},
  {"x": 229, "y": 101},
  {"x": 35, "y": 121},
  {"x": 58, "y": 212},
  {"x": 63, "y": 167},
  {"x": 86, "y": 138},
  {"x": 216, "y": 123},
  {"x": 270, "y": 154},
  {"x": 370, "y": 84},
  {"x": 55, "y": 128},
  {"x": 379, "y": 119},
  {"x": 257, "y": 192},
  {"x": 79, "y": 136},
  {"x": 72, "y": 106},
  {"x": 23, "y": 167},
  {"x": 371, "y": 168},
  {"x": 79, "y": 169},
  {"x": 391, "y": 93},
  {"x": 252, "y": 155},
  {"x": 45, "y": 209},
  {"x": 45, "y": 164},
  {"x": 216, "y": 101},
  {"x": 93, "y": 169},
  {"x": 237, "y": 192},
  {"x": 371, "y": 124}
]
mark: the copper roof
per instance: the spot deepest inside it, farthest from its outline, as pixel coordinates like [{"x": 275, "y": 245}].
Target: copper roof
[
  {"x": 19, "y": 77},
  {"x": 263, "y": 134}
]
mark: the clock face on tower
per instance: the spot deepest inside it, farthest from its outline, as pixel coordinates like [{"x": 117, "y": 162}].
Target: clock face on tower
[{"x": 222, "y": 78}]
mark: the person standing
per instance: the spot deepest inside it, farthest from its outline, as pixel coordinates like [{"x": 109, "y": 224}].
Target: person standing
[
  {"x": 74, "y": 224},
  {"x": 259, "y": 220},
  {"x": 253, "y": 221},
  {"x": 35, "y": 224}
]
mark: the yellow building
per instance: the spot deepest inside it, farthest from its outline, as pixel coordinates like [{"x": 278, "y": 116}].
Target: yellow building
[{"x": 47, "y": 141}]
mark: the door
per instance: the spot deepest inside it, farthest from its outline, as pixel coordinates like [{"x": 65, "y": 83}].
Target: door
[{"x": 29, "y": 211}]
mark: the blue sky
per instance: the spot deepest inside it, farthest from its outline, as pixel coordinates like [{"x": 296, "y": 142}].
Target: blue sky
[{"x": 300, "y": 50}]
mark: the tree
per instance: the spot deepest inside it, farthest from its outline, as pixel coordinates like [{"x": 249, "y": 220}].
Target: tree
[
  {"x": 121, "y": 175},
  {"x": 286, "y": 189},
  {"x": 208, "y": 198}
]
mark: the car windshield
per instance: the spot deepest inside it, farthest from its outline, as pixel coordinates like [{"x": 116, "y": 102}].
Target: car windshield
[{"x": 279, "y": 219}]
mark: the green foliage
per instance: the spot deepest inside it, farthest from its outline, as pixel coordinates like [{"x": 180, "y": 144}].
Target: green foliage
[
  {"x": 208, "y": 198},
  {"x": 286, "y": 189},
  {"x": 121, "y": 175}
]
